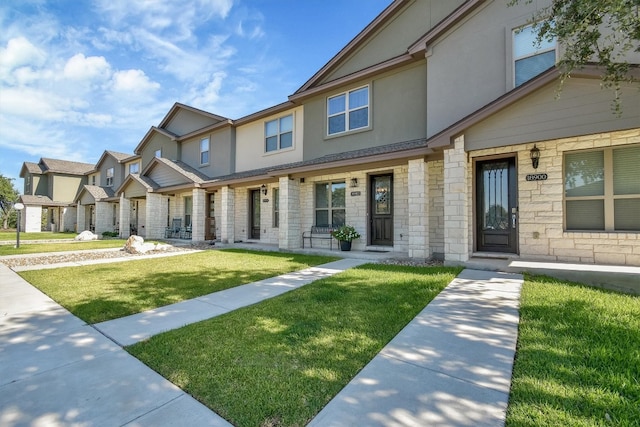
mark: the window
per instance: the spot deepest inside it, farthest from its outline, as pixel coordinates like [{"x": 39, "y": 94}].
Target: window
[
  {"x": 134, "y": 168},
  {"x": 602, "y": 189},
  {"x": 204, "y": 151},
  {"x": 93, "y": 180},
  {"x": 188, "y": 209},
  {"x": 278, "y": 134},
  {"x": 330, "y": 203},
  {"x": 348, "y": 111},
  {"x": 529, "y": 58},
  {"x": 276, "y": 207},
  {"x": 158, "y": 152},
  {"x": 109, "y": 177}
]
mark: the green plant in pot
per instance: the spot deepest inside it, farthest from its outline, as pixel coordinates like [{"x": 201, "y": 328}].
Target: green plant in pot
[{"x": 345, "y": 234}]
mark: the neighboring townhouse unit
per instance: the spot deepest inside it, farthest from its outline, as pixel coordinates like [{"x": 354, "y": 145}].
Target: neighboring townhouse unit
[
  {"x": 436, "y": 132},
  {"x": 51, "y": 184}
]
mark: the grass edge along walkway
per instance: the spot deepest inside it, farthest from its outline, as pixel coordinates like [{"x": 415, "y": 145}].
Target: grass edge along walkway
[
  {"x": 288, "y": 356},
  {"x": 578, "y": 357}
]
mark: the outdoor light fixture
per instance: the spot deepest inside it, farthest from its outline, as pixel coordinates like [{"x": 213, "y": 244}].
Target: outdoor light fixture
[
  {"x": 18, "y": 207},
  {"x": 264, "y": 189},
  {"x": 535, "y": 156},
  {"x": 354, "y": 182}
]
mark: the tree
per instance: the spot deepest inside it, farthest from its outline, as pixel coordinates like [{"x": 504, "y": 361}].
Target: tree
[
  {"x": 8, "y": 196},
  {"x": 600, "y": 31}
]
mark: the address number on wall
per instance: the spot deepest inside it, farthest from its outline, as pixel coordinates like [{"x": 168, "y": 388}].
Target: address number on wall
[{"x": 537, "y": 177}]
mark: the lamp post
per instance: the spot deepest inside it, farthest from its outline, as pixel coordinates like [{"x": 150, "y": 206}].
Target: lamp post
[{"x": 18, "y": 207}]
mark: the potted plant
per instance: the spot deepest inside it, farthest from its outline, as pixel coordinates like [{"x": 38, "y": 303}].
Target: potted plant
[{"x": 345, "y": 234}]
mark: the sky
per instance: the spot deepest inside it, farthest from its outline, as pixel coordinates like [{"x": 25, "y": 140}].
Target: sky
[{"x": 81, "y": 77}]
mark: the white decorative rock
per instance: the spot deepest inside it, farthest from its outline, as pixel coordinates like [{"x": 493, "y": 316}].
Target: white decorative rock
[{"x": 86, "y": 235}]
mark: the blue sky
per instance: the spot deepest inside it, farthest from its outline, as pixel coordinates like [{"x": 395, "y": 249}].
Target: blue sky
[{"x": 79, "y": 77}]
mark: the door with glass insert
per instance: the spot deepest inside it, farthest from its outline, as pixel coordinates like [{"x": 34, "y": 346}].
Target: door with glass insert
[
  {"x": 381, "y": 210},
  {"x": 255, "y": 215},
  {"x": 496, "y": 209}
]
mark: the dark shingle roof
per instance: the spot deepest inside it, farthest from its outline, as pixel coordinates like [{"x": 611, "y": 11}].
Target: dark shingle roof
[{"x": 66, "y": 166}]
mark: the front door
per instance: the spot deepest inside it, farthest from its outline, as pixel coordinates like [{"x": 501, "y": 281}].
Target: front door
[
  {"x": 496, "y": 208},
  {"x": 210, "y": 228},
  {"x": 381, "y": 210},
  {"x": 255, "y": 214}
]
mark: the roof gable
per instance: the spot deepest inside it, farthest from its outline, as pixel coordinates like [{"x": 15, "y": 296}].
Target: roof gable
[
  {"x": 183, "y": 119},
  {"x": 118, "y": 157},
  {"x": 167, "y": 172},
  {"x": 32, "y": 168},
  {"x": 65, "y": 167}
]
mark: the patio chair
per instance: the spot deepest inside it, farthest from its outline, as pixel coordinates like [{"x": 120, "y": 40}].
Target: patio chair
[{"x": 174, "y": 230}]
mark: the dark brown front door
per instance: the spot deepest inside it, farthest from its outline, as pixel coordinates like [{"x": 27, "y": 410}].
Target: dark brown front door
[
  {"x": 210, "y": 227},
  {"x": 497, "y": 209},
  {"x": 255, "y": 214},
  {"x": 381, "y": 210}
]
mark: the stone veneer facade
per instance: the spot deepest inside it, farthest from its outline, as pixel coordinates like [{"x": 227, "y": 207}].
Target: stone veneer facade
[{"x": 541, "y": 205}]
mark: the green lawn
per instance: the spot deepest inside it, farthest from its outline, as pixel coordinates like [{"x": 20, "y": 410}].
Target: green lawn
[
  {"x": 44, "y": 235},
  {"x": 107, "y": 291},
  {"x": 578, "y": 357},
  {"x": 279, "y": 362},
  {"x": 34, "y": 248}
]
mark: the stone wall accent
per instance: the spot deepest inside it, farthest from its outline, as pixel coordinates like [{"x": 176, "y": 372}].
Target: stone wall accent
[
  {"x": 289, "y": 230},
  {"x": 198, "y": 216},
  {"x": 125, "y": 218},
  {"x": 31, "y": 219},
  {"x": 418, "y": 209},
  {"x": 227, "y": 215},
  {"x": 457, "y": 211},
  {"x": 69, "y": 216},
  {"x": 541, "y": 205},
  {"x": 156, "y": 216},
  {"x": 103, "y": 217},
  {"x": 436, "y": 208},
  {"x": 81, "y": 215}
]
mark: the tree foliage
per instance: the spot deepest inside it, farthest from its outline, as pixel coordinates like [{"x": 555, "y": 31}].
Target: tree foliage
[
  {"x": 600, "y": 31},
  {"x": 8, "y": 196}
]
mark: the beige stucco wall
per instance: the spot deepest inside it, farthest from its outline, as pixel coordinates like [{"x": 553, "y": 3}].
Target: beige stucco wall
[
  {"x": 250, "y": 143},
  {"x": 65, "y": 187},
  {"x": 541, "y": 207}
]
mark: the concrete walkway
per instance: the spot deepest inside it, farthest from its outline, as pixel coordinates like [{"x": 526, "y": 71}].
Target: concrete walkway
[{"x": 451, "y": 366}]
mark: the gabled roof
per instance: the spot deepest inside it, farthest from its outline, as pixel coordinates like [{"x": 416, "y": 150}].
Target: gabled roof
[
  {"x": 65, "y": 166},
  {"x": 146, "y": 182},
  {"x": 98, "y": 193},
  {"x": 32, "y": 168},
  {"x": 119, "y": 157},
  {"x": 178, "y": 106},
  {"x": 153, "y": 130},
  {"x": 182, "y": 168},
  {"x": 30, "y": 200}
]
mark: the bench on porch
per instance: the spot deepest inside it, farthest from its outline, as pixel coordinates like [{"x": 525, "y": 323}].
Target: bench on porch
[{"x": 322, "y": 232}]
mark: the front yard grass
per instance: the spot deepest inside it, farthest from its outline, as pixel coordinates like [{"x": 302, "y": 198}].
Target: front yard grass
[
  {"x": 102, "y": 292},
  {"x": 279, "y": 362},
  {"x": 578, "y": 357},
  {"x": 35, "y": 248},
  {"x": 42, "y": 235}
]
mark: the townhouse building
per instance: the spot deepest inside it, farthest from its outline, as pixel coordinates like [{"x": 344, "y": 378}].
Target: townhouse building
[{"x": 436, "y": 132}]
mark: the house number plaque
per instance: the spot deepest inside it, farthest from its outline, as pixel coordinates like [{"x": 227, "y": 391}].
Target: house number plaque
[{"x": 537, "y": 177}]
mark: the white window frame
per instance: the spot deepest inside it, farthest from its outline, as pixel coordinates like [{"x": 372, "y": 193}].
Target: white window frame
[
  {"x": 137, "y": 168},
  {"x": 330, "y": 208},
  {"x": 347, "y": 110},
  {"x": 204, "y": 162},
  {"x": 279, "y": 133},
  {"x": 110, "y": 174},
  {"x": 535, "y": 51},
  {"x": 158, "y": 153}
]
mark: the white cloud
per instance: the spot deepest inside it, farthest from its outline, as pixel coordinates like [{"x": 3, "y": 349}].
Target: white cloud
[
  {"x": 80, "y": 67},
  {"x": 20, "y": 52},
  {"x": 133, "y": 81}
]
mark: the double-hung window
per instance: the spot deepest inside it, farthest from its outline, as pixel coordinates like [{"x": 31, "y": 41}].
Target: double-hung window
[
  {"x": 330, "y": 204},
  {"x": 278, "y": 134},
  {"x": 348, "y": 111},
  {"x": 204, "y": 151},
  {"x": 602, "y": 189},
  {"x": 531, "y": 59},
  {"x": 110, "y": 177},
  {"x": 134, "y": 168}
]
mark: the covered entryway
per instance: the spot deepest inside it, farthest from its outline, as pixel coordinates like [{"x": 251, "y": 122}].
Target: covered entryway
[
  {"x": 496, "y": 206},
  {"x": 381, "y": 210}
]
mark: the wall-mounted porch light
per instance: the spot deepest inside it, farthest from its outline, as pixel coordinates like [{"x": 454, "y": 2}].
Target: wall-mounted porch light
[
  {"x": 535, "y": 156},
  {"x": 354, "y": 182},
  {"x": 264, "y": 189}
]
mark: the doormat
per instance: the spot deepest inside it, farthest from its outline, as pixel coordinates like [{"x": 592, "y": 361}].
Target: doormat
[{"x": 379, "y": 252}]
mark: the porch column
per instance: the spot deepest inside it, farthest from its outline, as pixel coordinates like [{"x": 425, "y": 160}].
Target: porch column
[
  {"x": 31, "y": 219},
  {"x": 418, "y": 209},
  {"x": 456, "y": 205},
  {"x": 198, "y": 215},
  {"x": 69, "y": 218},
  {"x": 125, "y": 217},
  {"x": 81, "y": 215},
  {"x": 103, "y": 217},
  {"x": 227, "y": 215},
  {"x": 289, "y": 228},
  {"x": 156, "y": 216}
]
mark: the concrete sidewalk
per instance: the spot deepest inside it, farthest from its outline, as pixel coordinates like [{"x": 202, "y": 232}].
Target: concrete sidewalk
[
  {"x": 137, "y": 327},
  {"x": 450, "y": 366}
]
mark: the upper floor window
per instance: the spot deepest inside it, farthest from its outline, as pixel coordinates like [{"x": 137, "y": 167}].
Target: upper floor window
[
  {"x": 602, "y": 189},
  {"x": 278, "y": 134},
  {"x": 93, "y": 180},
  {"x": 348, "y": 111},
  {"x": 158, "y": 152},
  {"x": 110, "y": 177},
  {"x": 531, "y": 59},
  {"x": 134, "y": 168},
  {"x": 204, "y": 151}
]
